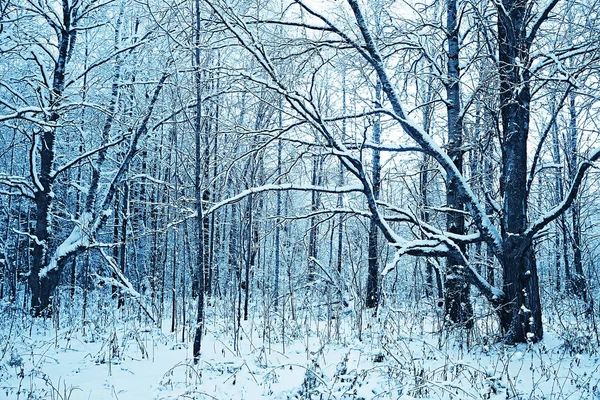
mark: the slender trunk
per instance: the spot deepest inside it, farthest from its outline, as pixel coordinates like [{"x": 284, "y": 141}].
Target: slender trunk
[
  {"x": 200, "y": 257},
  {"x": 372, "y": 300},
  {"x": 214, "y": 234},
  {"x": 560, "y": 225},
  {"x": 278, "y": 213},
  {"x": 340, "y": 203},
  {"x": 277, "y": 234},
  {"x": 488, "y": 188},
  {"x": 174, "y": 283},
  {"x": 174, "y": 254},
  {"x": 206, "y": 195},
  {"x": 123, "y": 237},
  {"x": 115, "y": 233},
  {"x": 456, "y": 289},
  {"x": 579, "y": 281},
  {"x": 340, "y": 238},
  {"x": 475, "y": 174},
  {"x": 154, "y": 247},
  {"x": 313, "y": 229},
  {"x": 430, "y": 269},
  {"x": 249, "y": 251}
]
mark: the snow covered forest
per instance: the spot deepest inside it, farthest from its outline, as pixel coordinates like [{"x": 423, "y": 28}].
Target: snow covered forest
[{"x": 308, "y": 199}]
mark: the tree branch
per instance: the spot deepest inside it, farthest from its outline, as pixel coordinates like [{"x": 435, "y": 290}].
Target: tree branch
[{"x": 564, "y": 205}]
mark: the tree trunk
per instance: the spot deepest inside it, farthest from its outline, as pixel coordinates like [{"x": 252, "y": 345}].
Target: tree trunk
[
  {"x": 200, "y": 258},
  {"x": 579, "y": 284},
  {"x": 521, "y": 315},
  {"x": 372, "y": 300},
  {"x": 249, "y": 252},
  {"x": 313, "y": 229},
  {"x": 277, "y": 220},
  {"x": 488, "y": 188},
  {"x": 42, "y": 285},
  {"x": 123, "y": 236},
  {"x": 456, "y": 289},
  {"x": 561, "y": 232}
]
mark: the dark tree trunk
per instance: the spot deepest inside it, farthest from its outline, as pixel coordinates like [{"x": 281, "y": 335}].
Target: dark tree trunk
[
  {"x": 488, "y": 188},
  {"x": 456, "y": 289},
  {"x": 372, "y": 300},
  {"x": 313, "y": 229},
  {"x": 200, "y": 257},
  {"x": 214, "y": 227},
  {"x": 561, "y": 228},
  {"x": 249, "y": 259},
  {"x": 430, "y": 269},
  {"x": 579, "y": 284},
  {"x": 174, "y": 157},
  {"x": 123, "y": 236},
  {"x": 206, "y": 196},
  {"x": 340, "y": 203},
  {"x": 42, "y": 285},
  {"x": 116, "y": 224},
  {"x": 277, "y": 220},
  {"x": 521, "y": 315}
]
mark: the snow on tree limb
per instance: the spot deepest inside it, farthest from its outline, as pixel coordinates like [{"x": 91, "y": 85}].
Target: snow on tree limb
[
  {"x": 437, "y": 245},
  {"x": 482, "y": 221},
  {"x": 566, "y": 202},
  {"x": 83, "y": 156},
  {"x": 91, "y": 221},
  {"x": 279, "y": 187}
]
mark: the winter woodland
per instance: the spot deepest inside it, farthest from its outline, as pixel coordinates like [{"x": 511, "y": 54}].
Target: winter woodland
[{"x": 308, "y": 199}]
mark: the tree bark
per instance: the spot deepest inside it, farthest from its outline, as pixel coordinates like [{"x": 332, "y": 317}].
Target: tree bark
[
  {"x": 200, "y": 257},
  {"x": 278, "y": 213},
  {"x": 456, "y": 289},
  {"x": 42, "y": 286},
  {"x": 372, "y": 300},
  {"x": 560, "y": 239},
  {"x": 579, "y": 284},
  {"x": 521, "y": 313},
  {"x": 313, "y": 229}
]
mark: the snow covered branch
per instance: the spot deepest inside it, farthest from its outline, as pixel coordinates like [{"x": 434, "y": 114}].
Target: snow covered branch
[
  {"x": 487, "y": 229},
  {"x": 282, "y": 187},
  {"x": 568, "y": 199}
]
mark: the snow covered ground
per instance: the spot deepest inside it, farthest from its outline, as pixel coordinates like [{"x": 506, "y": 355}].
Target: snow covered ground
[{"x": 116, "y": 358}]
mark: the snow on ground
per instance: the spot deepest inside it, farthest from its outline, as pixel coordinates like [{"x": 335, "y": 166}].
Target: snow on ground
[{"x": 127, "y": 361}]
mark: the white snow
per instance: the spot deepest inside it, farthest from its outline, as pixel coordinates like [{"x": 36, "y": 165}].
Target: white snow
[
  {"x": 34, "y": 172},
  {"x": 79, "y": 237},
  {"x": 110, "y": 357}
]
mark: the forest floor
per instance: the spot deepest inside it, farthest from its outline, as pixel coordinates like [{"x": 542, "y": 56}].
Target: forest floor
[{"x": 117, "y": 358}]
